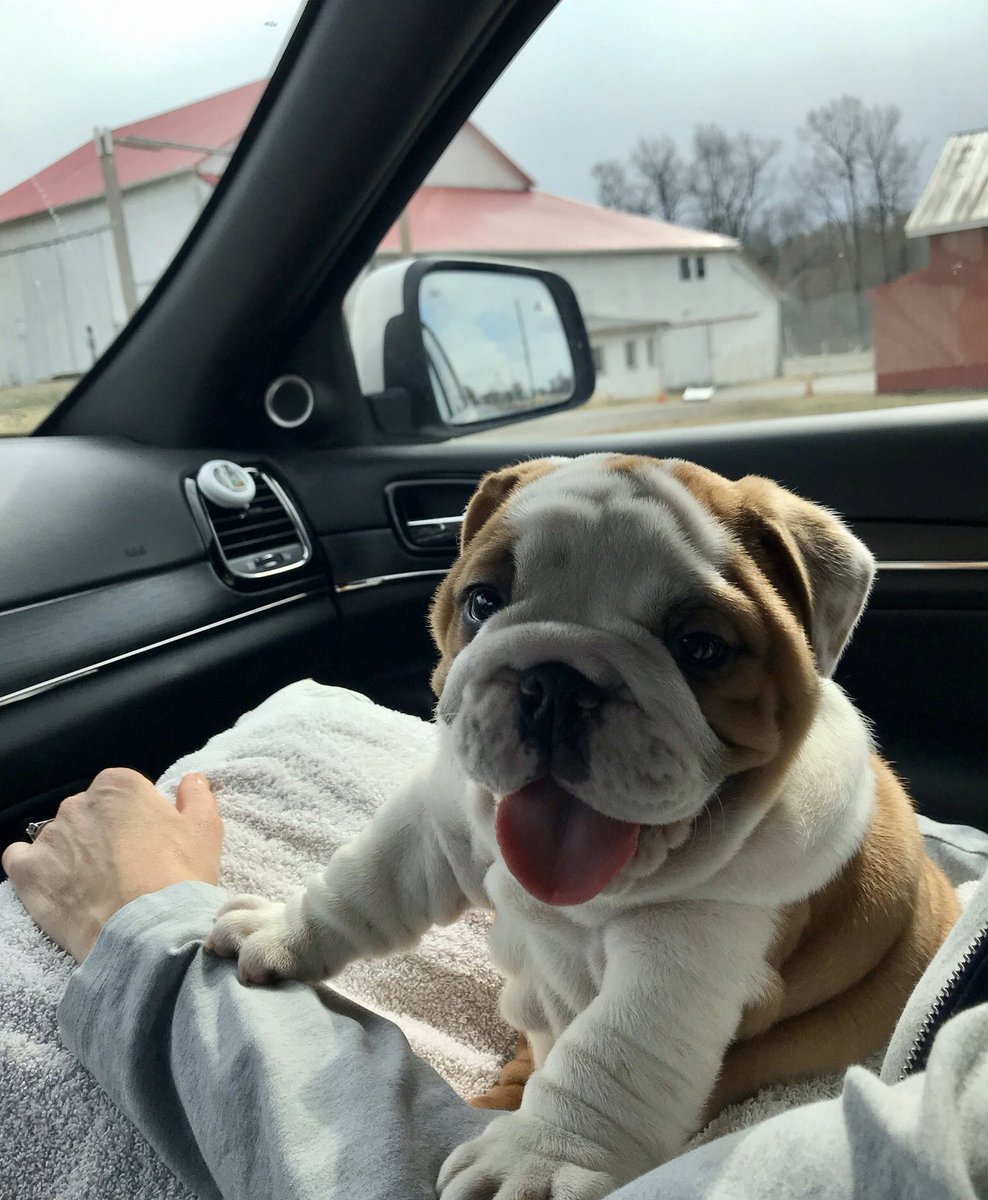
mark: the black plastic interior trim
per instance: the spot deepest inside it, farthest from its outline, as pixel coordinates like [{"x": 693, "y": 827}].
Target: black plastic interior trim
[
  {"x": 79, "y": 512},
  {"x": 146, "y": 712},
  {"x": 75, "y": 654},
  {"x": 924, "y": 465}
]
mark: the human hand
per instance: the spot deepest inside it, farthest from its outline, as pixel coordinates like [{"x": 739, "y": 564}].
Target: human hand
[{"x": 118, "y": 840}]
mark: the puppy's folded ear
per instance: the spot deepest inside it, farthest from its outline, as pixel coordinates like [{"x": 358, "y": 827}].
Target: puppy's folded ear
[
  {"x": 814, "y": 561},
  {"x": 494, "y": 489}
]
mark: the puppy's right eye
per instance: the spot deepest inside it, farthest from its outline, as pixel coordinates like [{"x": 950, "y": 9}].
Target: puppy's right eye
[
  {"x": 701, "y": 651},
  {"x": 481, "y": 602}
]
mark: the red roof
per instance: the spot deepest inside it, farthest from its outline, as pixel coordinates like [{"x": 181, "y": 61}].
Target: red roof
[
  {"x": 441, "y": 219},
  {"x": 482, "y": 221},
  {"x": 215, "y": 121}
]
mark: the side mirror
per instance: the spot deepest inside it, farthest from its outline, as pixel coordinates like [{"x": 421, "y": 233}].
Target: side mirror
[{"x": 446, "y": 347}]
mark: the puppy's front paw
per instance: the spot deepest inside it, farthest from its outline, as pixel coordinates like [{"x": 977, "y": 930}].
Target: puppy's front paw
[
  {"x": 266, "y": 942},
  {"x": 517, "y": 1158}
]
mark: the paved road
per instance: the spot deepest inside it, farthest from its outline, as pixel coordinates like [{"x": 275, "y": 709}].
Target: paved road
[
  {"x": 624, "y": 418},
  {"x": 857, "y": 383}
]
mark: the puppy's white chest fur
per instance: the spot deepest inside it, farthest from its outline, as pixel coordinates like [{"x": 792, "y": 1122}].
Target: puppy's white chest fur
[
  {"x": 552, "y": 962},
  {"x": 555, "y": 959}
]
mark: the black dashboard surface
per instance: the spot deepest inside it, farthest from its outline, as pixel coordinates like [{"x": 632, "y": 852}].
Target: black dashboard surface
[
  {"x": 100, "y": 552},
  {"x": 119, "y": 641},
  {"x": 75, "y": 513}
]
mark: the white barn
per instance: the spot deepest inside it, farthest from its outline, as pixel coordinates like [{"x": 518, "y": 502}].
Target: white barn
[
  {"x": 666, "y": 306},
  {"x": 61, "y": 301}
]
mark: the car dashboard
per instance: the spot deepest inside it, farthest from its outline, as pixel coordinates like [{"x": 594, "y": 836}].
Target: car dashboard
[{"x": 123, "y": 588}]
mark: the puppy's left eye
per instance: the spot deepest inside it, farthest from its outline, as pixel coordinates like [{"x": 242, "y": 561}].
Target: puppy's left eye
[
  {"x": 481, "y": 602},
  {"x": 701, "y": 651}
]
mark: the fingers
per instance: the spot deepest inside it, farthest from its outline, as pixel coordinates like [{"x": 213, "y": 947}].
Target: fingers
[
  {"x": 120, "y": 779},
  {"x": 195, "y": 796},
  {"x": 18, "y": 855},
  {"x": 15, "y": 858},
  {"x": 67, "y": 809}
]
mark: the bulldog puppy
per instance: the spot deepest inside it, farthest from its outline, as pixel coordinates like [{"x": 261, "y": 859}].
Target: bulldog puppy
[{"x": 704, "y": 878}]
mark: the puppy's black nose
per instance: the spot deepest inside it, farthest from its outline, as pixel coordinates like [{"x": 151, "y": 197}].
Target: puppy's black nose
[{"x": 554, "y": 702}]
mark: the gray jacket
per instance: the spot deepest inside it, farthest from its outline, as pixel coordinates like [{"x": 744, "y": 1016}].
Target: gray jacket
[{"x": 296, "y": 1093}]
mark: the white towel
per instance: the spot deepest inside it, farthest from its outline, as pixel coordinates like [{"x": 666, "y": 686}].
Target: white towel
[{"x": 295, "y": 778}]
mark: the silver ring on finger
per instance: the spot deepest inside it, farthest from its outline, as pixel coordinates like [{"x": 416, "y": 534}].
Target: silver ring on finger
[{"x": 34, "y": 828}]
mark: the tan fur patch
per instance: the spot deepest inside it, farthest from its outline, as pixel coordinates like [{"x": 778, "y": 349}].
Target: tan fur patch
[
  {"x": 762, "y": 706},
  {"x": 486, "y": 545},
  {"x": 863, "y": 942}
]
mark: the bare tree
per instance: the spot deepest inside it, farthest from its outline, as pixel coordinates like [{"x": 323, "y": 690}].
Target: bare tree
[
  {"x": 858, "y": 176},
  {"x": 891, "y": 162},
  {"x": 616, "y": 190},
  {"x": 663, "y": 174},
  {"x": 790, "y": 244},
  {"x": 722, "y": 189},
  {"x": 728, "y": 179},
  {"x": 836, "y": 176}
]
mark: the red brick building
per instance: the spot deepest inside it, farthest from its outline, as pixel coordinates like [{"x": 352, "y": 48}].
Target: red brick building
[{"x": 931, "y": 327}]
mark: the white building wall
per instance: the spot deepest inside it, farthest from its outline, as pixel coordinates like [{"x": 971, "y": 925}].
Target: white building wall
[
  {"x": 159, "y": 218},
  {"x": 615, "y": 378},
  {"x": 649, "y": 286},
  {"x": 60, "y": 297},
  {"x": 54, "y": 282},
  {"x": 469, "y": 161}
]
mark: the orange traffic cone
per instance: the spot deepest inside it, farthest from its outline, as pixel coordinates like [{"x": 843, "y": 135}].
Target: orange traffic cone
[
  {"x": 662, "y": 397},
  {"x": 808, "y": 390}
]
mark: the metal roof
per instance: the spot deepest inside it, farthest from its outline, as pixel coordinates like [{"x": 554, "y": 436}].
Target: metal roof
[
  {"x": 956, "y": 196},
  {"x": 446, "y": 220},
  {"x": 622, "y": 324},
  {"x": 441, "y": 219},
  {"x": 215, "y": 121}
]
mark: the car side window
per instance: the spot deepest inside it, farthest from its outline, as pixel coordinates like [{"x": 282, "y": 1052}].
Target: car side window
[{"x": 737, "y": 252}]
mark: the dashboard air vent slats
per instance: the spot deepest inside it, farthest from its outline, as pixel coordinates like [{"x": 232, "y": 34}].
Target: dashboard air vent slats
[{"x": 267, "y": 538}]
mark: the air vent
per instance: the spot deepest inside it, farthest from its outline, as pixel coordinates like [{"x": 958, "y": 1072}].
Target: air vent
[{"x": 263, "y": 540}]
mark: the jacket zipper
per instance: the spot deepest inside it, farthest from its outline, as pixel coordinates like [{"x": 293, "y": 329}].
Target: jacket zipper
[{"x": 939, "y": 1013}]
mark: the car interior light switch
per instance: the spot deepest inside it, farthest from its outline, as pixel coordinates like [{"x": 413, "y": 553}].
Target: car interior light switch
[{"x": 226, "y": 483}]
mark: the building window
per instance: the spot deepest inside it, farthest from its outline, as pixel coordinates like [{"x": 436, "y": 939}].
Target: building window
[
  {"x": 650, "y": 351},
  {"x": 630, "y": 355},
  {"x": 598, "y": 358},
  {"x": 684, "y": 268},
  {"x": 701, "y": 267}
]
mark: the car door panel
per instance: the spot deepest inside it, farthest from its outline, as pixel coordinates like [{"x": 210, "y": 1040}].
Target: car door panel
[{"x": 925, "y": 464}]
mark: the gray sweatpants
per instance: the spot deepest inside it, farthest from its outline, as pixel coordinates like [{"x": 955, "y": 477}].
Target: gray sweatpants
[{"x": 294, "y": 1092}]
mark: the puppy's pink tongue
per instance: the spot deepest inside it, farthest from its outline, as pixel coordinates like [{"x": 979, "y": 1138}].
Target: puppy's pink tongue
[{"x": 557, "y": 847}]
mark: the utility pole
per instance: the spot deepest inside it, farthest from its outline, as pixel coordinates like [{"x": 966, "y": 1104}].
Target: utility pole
[
  {"x": 524, "y": 345},
  {"x": 114, "y": 203},
  {"x": 405, "y": 234}
]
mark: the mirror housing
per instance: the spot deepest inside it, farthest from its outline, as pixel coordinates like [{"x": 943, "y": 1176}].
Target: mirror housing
[{"x": 445, "y": 347}]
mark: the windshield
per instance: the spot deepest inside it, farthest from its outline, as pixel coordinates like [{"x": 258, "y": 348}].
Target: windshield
[{"x": 117, "y": 122}]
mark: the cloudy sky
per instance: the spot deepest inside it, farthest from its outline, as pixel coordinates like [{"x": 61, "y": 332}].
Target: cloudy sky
[{"x": 599, "y": 74}]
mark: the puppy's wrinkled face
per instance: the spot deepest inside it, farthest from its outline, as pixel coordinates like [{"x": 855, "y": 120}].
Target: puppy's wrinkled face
[{"x": 623, "y": 639}]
